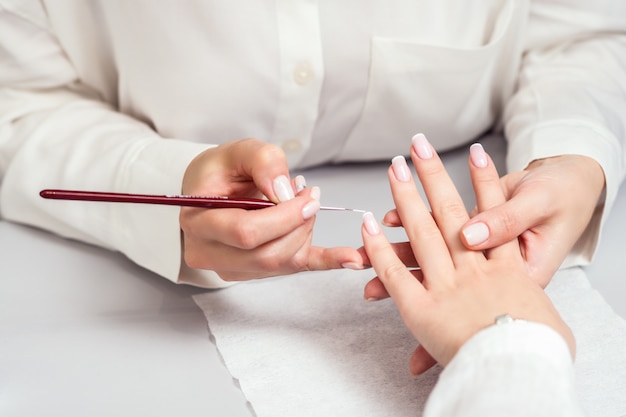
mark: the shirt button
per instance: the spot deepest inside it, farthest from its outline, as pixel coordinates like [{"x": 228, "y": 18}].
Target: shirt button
[
  {"x": 303, "y": 73},
  {"x": 292, "y": 145}
]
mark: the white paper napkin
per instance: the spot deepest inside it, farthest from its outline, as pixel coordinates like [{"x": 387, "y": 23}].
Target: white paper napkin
[{"x": 308, "y": 345}]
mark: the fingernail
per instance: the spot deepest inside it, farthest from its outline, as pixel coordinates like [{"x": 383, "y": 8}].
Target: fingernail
[
  {"x": 316, "y": 193},
  {"x": 300, "y": 183},
  {"x": 351, "y": 265},
  {"x": 476, "y": 233},
  {"x": 422, "y": 147},
  {"x": 478, "y": 155},
  {"x": 310, "y": 209},
  {"x": 370, "y": 223},
  {"x": 370, "y": 299},
  {"x": 282, "y": 188},
  {"x": 400, "y": 168}
]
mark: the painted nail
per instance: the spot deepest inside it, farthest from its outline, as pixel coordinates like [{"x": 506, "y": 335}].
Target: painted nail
[
  {"x": 370, "y": 223},
  {"x": 476, "y": 233},
  {"x": 352, "y": 265},
  {"x": 310, "y": 209},
  {"x": 300, "y": 183},
  {"x": 478, "y": 155},
  {"x": 282, "y": 188},
  {"x": 316, "y": 193},
  {"x": 422, "y": 146},
  {"x": 401, "y": 169}
]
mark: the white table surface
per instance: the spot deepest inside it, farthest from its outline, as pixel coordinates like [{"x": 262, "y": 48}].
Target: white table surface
[{"x": 84, "y": 332}]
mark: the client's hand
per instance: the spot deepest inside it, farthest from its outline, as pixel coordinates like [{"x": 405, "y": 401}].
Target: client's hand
[
  {"x": 457, "y": 291},
  {"x": 548, "y": 206},
  {"x": 240, "y": 244}
]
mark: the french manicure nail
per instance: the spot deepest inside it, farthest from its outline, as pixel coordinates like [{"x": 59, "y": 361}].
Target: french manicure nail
[
  {"x": 282, "y": 188},
  {"x": 478, "y": 155},
  {"x": 401, "y": 169},
  {"x": 476, "y": 233},
  {"x": 300, "y": 183},
  {"x": 351, "y": 265},
  {"x": 422, "y": 146},
  {"x": 316, "y": 193},
  {"x": 310, "y": 209},
  {"x": 370, "y": 223}
]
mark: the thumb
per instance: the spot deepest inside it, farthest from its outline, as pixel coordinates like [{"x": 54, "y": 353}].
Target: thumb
[
  {"x": 499, "y": 225},
  {"x": 421, "y": 361}
]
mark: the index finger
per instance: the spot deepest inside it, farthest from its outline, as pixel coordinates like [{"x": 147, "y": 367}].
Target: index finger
[
  {"x": 248, "y": 229},
  {"x": 401, "y": 285}
]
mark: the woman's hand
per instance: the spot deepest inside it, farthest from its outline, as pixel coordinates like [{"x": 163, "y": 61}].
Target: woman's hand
[
  {"x": 240, "y": 244},
  {"x": 457, "y": 291},
  {"x": 548, "y": 207}
]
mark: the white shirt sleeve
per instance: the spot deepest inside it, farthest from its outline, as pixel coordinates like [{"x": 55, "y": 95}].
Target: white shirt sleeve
[
  {"x": 57, "y": 133},
  {"x": 85, "y": 104},
  {"x": 515, "y": 369},
  {"x": 570, "y": 96}
]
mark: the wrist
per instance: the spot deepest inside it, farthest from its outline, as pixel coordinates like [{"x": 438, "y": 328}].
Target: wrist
[
  {"x": 557, "y": 325},
  {"x": 587, "y": 168}
]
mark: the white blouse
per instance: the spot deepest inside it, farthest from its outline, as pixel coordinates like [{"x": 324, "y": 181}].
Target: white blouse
[
  {"x": 120, "y": 95},
  {"x": 519, "y": 369}
]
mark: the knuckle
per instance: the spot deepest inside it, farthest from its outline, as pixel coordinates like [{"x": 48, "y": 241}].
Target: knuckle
[
  {"x": 392, "y": 272},
  {"x": 484, "y": 180},
  {"x": 269, "y": 153},
  {"x": 509, "y": 223},
  {"x": 428, "y": 170},
  {"x": 505, "y": 224},
  {"x": 274, "y": 259},
  {"x": 244, "y": 143},
  {"x": 245, "y": 236},
  {"x": 270, "y": 261},
  {"x": 426, "y": 235},
  {"x": 447, "y": 210},
  {"x": 299, "y": 261}
]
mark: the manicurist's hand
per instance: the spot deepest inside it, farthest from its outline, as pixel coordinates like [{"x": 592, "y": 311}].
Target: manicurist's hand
[
  {"x": 548, "y": 206},
  {"x": 240, "y": 244},
  {"x": 456, "y": 292}
]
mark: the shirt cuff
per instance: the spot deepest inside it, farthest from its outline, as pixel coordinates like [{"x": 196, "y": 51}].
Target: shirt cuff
[
  {"x": 515, "y": 369},
  {"x": 150, "y": 235}
]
